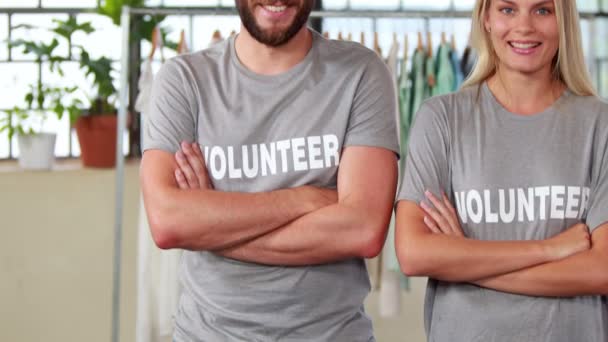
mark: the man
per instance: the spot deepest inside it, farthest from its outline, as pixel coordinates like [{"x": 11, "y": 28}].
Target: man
[{"x": 271, "y": 159}]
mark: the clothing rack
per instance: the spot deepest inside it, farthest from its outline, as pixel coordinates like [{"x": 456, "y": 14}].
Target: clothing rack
[{"x": 128, "y": 13}]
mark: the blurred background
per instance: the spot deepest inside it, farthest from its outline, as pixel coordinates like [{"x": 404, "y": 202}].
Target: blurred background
[{"x": 64, "y": 203}]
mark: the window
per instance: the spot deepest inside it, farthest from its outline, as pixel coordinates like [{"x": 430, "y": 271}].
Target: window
[{"x": 19, "y": 71}]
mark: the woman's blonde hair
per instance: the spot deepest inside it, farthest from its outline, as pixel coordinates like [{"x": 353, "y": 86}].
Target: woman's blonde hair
[{"x": 569, "y": 64}]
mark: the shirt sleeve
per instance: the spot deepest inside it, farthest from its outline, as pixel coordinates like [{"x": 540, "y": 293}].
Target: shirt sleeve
[
  {"x": 373, "y": 117},
  {"x": 597, "y": 213},
  {"x": 427, "y": 162},
  {"x": 171, "y": 116}
]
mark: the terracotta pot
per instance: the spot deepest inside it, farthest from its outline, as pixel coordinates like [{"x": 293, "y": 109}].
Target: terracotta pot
[{"x": 97, "y": 138}]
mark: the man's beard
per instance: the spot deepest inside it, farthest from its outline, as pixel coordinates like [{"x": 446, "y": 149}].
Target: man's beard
[{"x": 271, "y": 37}]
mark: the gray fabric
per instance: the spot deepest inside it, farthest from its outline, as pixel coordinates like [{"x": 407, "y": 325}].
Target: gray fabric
[
  {"x": 468, "y": 145},
  {"x": 297, "y": 123}
]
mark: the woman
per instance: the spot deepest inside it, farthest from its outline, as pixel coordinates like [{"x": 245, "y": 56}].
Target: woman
[{"x": 522, "y": 151}]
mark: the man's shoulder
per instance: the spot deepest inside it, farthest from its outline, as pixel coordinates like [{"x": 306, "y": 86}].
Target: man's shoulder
[
  {"x": 346, "y": 53},
  {"x": 207, "y": 59}
]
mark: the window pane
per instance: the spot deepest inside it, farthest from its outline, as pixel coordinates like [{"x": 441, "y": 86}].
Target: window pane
[
  {"x": 175, "y": 25},
  {"x": 18, "y": 3},
  {"x": 43, "y": 23},
  {"x": 70, "y": 3},
  {"x": 334, "y": 4},
  {"x": 3, "y": 140},
  {"x": 400, "y": 27},
  {"x": 585, "y": 31},
  {"x": 104, "y": 41},
  {"x": 191, "y": 3},
  {"x": 426, "y": 4},
  {"x": 600, "y": 37},
  {"x": 62, "y": 129},
  {"x": 587, "y": 5},
  {"x": 3, "y": 37},
  {"x": 355, "y": 26},
  {"x": 377, "y": 5},
  {"x": 16, "y": 77},
  {"x": 73, "y": 77},
  {"x": 464, "y": 5},
  {"x": 459, "y": 28}
]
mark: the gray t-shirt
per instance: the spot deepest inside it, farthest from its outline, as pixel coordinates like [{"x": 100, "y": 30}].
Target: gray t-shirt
[
  {"x": 262, "y": 133},
  {"x": 511, "y": 177}
]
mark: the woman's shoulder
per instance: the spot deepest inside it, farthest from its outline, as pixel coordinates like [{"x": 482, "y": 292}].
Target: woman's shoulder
[
  {"x": 444, "y": 105},
  {"x": 591, "y": 107}
]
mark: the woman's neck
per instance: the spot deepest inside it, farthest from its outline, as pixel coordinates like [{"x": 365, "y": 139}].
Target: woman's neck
[{"x": 525, "y": 94}]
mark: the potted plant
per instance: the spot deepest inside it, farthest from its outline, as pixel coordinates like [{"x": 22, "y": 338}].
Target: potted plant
[
  {"x": 97, "y": 127},
  {"x": 95, "y": 124},
  {"x": 36, "y": 145}
]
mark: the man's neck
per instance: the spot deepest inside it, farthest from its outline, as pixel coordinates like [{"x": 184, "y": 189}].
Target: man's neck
[{"x": 267, "y": 60}]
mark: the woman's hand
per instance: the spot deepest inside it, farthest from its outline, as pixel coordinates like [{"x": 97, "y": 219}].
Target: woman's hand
[{"x": 441, "y": 218}]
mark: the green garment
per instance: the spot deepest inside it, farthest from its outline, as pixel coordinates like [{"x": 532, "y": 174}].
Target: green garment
[
  {"x": 445, "y": 76},
  {"x": 419, "y": 90}
]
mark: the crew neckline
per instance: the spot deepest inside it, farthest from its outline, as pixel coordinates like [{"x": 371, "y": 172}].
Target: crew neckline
[
  {"x": 274, "y": 79},
  {"x": 520, "y": 117}
]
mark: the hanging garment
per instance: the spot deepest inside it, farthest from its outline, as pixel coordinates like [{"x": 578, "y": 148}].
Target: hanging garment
[
  {"x": 469, "y": 58},
  {"x": 375, "y": 266},
  {"x": 444, "y": 71},
  {"x": 158, "y": 288},
  {"x": 420, "y": 89},
  {"x": 392, "y": 60},
  {"x": 459, "y": 77},
  {"x": 392, "y": 279},
  {"x": 146, "y": 79},
  {"x": 431, "y": 78},
  {"x": 404, "y": 88}
]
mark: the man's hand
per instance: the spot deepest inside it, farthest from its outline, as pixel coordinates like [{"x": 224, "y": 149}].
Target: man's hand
[{"x": 191, "y": 172}]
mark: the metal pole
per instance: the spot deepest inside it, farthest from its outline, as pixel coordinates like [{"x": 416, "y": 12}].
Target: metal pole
[{"x": 120, "y": 166}]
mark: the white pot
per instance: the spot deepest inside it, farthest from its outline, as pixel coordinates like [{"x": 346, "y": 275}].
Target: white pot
[{"x": 37, "y": 151}]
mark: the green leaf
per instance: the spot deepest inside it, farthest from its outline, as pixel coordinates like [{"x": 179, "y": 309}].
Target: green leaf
[
  {"x": 66, "y": 29},
  {"x": 59, "y": 110},
  {"x": 113, "y": 8},
  {"x": 29, "y": 99},
  {"x": 40, "y": 100}
]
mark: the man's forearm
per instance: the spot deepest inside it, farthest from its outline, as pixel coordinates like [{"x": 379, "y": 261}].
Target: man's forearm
[
  {"x": 327, "y": 235},
  {"x": 210, "y": 220}
]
